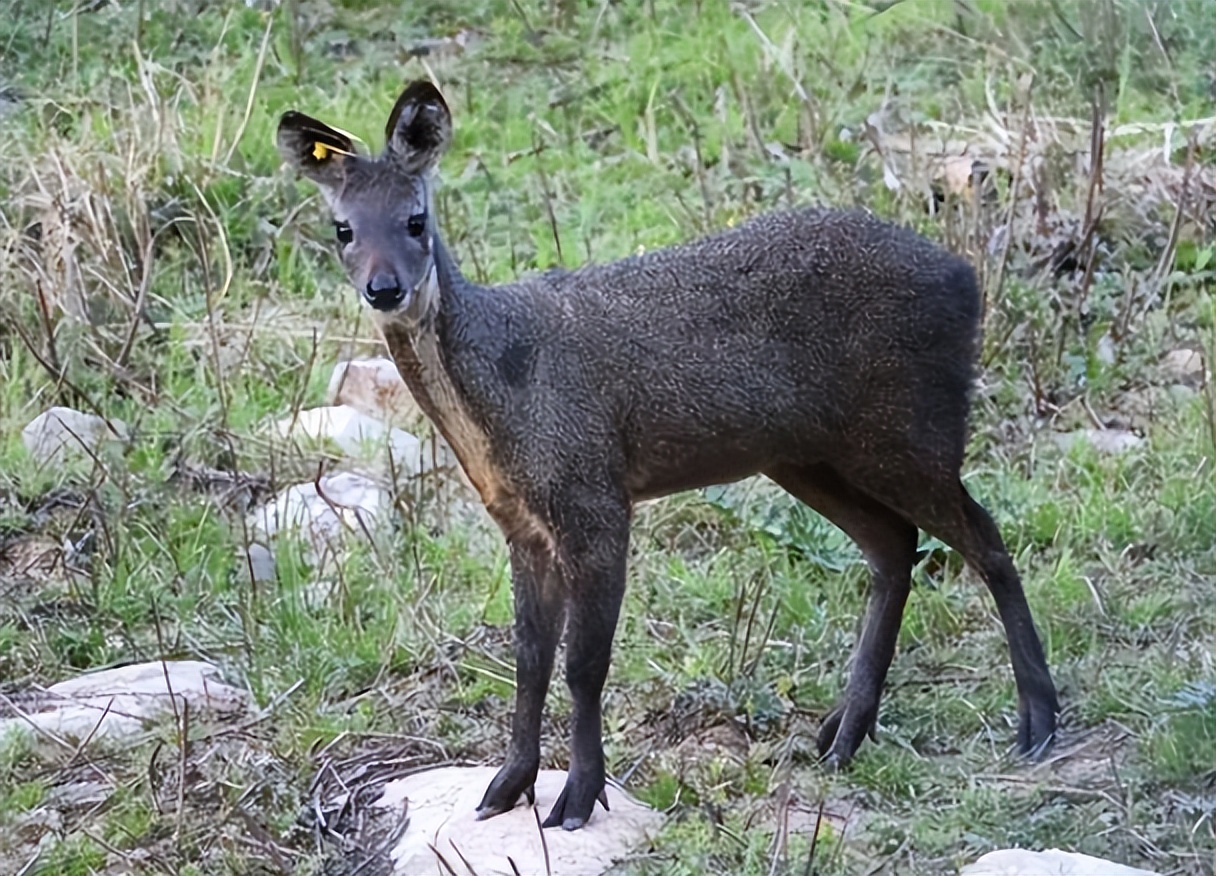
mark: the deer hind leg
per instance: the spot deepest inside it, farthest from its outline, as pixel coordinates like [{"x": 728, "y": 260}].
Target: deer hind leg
[
  {"x": 971, "y": 531},
  {"x": 932, "y": 497},
  {"x": 888, "y": 543}
]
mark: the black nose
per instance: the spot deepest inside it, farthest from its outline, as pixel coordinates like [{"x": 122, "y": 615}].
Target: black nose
[{"x": 383, "y": 292}]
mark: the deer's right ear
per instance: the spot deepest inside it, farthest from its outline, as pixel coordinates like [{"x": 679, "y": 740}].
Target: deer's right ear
[{"x": 314, "y": 148}]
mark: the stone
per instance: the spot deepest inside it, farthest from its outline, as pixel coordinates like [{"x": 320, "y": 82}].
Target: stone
[
  {"x": 259, "y": 563},
  {"x": 1185, "y": 366},
  {"x": 115, "y": 704},
  {"x": 441, "y": 805},
  {"x": 1053, "y": 862},
  {"x": 60, "y": 434},
  {"x": 358, "y": 436},
  {"x": 1102, "y": 440},
  {"x": 374, "y": 387},
  {"x": 348, "y": 505},
  {"x": 958, "y": 172}
]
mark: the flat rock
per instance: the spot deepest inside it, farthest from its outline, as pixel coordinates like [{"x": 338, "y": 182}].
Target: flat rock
[
  {"x": 347, "y": 505},
  {"x": 116, "y": 703},
  {"x": 59, "y": 434},
  {"x": 441, "y": 804},
  {"x": 374, "y": 387},
  {"x": 1053, "y": 862}
]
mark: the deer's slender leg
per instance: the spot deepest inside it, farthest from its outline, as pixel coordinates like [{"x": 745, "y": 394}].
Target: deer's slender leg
[
  {"x": 888, "y": 543},
  {"x": 941, "y": 506},
  {"x": 593, "y": 543},
  {"x": 977, "y": 538},
  {"x": 539, "y": 614}
]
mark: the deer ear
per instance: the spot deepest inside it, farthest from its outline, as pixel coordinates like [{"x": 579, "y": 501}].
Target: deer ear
[
  {"x": 314, "y": 148},
  {"x": 419, "y": 128}
]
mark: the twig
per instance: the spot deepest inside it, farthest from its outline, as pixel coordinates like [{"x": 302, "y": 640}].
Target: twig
[
  {"x": 253, "y": 89},
  {"x": 60, "y": 377},
  {"x": 334, "y": 507},
  {"x": 463, "y": 859},
  {"x": 1161, "y": 275},
  {"x": 538, "y": 148},
  {"x": 183, "y": 763},
  {"x": 810, "y": 856},
  {"x": 213, "y": 298},
  {"x": 1093, "y": 210},
  {"x": 141, "y": 294},
  {"x": 544, "y": 846},
  {"x": 442, "y": 860},
  {"x": 998, "y": 284},
  {"x": 775, "y": 56},
  {"x": 695, "y": 132},
  {"x": 29, "y": 865}
]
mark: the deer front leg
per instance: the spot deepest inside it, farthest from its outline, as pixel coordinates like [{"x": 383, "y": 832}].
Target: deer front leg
[
  {"x": 593, "y": 542},
  {"x": 539, "y": 614}
]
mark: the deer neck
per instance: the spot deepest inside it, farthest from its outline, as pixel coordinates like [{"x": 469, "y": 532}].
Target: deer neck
[{"x": 424, "y": 353}]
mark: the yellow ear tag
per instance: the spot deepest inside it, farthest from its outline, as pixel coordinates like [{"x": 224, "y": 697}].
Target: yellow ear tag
[{"x": 320, "y": 151}]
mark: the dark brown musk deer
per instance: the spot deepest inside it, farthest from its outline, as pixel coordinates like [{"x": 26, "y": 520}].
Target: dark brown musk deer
[{"x": 828, "y": 350}]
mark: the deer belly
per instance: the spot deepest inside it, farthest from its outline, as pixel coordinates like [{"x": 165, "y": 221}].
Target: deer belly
[{"x": 670, "y": 466}]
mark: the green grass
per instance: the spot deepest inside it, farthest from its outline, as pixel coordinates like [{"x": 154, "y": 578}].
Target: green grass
[{"x": 140, "y": 171}]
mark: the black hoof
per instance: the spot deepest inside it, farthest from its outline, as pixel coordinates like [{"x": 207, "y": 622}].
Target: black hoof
[
  {"x": 841, "y": 735},
  {"x": 1037, "y": 726},
  {"x": 512, "y": 782},
  {"x": 827, "y": 731},
  {"x": 574, "y": 805}
]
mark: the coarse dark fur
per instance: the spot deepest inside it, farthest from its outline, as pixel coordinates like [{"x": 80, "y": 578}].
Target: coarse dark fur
[{"x": 829, "y": 350}]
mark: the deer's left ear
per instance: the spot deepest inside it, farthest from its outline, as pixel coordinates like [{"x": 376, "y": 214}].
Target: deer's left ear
[
  {"x": 314, "y": 148},
  {"x": 419, "y": 127}
]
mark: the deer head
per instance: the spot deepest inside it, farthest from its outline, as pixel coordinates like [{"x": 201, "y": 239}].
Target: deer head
[{"x": 381, "y": 205}]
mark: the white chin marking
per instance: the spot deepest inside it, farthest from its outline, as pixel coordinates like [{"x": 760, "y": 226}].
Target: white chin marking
[
  {"x": 429, "y": 284},
  {"x": 426, "y": 294}
]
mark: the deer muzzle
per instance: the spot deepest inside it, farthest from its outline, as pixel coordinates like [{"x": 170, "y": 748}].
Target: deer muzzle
[{"x": 384, "y": 292}]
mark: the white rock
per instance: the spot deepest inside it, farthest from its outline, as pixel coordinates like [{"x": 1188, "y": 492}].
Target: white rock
[
  {"x": 357, "y": 435},
  {"x": 116, "y": 703},
  {"x": 375, "y": 388},
  {"x": 348, "y": 505},
  {"x": 259, "y": 563},
  {"x": 59, "y": 434},
  {"x": 441, "y": 805},
  {"x": 1102, "y": 440},
  {"x": 1053, "y": 862},
  {"x": 1185, "y": 365}
]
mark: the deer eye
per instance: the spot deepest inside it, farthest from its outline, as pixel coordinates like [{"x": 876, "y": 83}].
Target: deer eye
[
  {"x": 416, "y": 224},
  {"x": 345, "y": 235}
]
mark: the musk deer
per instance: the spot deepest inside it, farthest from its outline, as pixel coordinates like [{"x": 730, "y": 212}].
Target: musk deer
[{"x": 828, "y": 350}]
